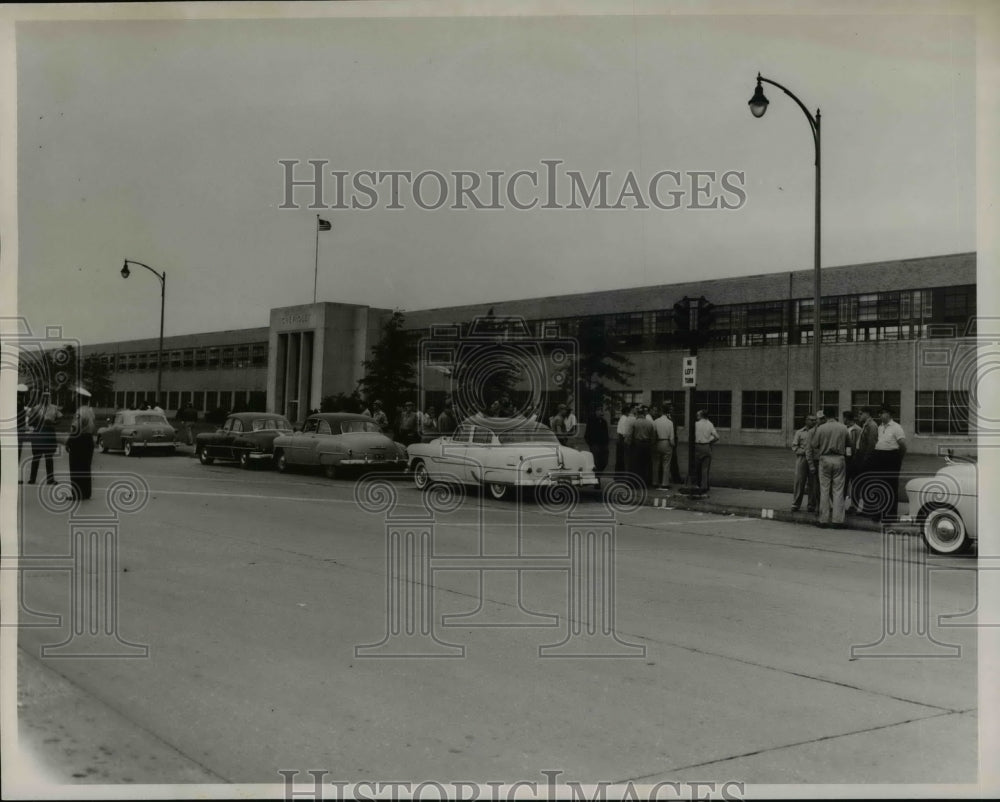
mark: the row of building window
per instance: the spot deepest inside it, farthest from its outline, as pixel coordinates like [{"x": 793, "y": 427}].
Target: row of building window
[
  {"x": 865, "y": 317},
  {"x": 248, "y": 355},
  {"x": 936, "y": 411},
  {"x": 202, "y": 400}
]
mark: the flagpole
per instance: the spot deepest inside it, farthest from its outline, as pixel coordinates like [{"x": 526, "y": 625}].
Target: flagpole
[{"x": 316, "y": 264}]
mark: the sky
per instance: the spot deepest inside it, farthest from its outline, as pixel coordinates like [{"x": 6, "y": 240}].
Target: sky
[{"x": 161, "y": 141}]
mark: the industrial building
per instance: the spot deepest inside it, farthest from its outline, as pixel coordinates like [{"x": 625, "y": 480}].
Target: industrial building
[{"x": 899, "y": 332}]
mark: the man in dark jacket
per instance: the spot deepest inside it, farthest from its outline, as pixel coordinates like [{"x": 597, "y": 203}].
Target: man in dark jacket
[{"x": 596, "y": 437}]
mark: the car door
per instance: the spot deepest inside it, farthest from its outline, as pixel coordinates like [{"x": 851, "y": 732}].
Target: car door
[
  {"x": 215, "y": 446},
  {"x": 453, "y": 460},
  {"x": 232, "y": 436},
  {"x": 303, "y": 447},
  {"x": 113, "y": 436},
  {"x": 478, "y": 455}
]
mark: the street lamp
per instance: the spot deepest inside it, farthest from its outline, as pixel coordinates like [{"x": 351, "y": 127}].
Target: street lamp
[
  {"x": 163, "y": 294},
  {"x": 758, "y": 105}
]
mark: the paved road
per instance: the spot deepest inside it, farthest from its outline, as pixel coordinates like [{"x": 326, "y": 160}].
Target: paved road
[{"x": 252, "y": 590}]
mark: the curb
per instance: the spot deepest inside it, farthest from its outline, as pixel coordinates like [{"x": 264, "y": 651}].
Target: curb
[{"x": 677, "y": 501}]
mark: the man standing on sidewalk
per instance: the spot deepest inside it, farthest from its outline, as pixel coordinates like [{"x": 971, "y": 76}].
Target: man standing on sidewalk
[
  {"x": 639, "y": 446},
  {"x": 625, "y": 421},
  {"x": 853, "y": 435},
  {"x": 663, "y": 449},
  {"x": 805, "y": 478},
  {"x": 704, "y": 436},
  {"x": 828, "y": 445},
  {"x": 863, "y": 456},
  {"x": 886, "y": 462}
]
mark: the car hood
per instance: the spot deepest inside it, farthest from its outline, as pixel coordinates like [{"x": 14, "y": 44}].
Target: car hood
[{"x": 959, "y": 477}]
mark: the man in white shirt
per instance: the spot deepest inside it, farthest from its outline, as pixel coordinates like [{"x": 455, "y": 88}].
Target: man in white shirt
[
  {"x": 665, "y": 443},
  {"x": 886, "y": 462},
  {"x": 704, "y": 436},
  {"x": 625, "y": 422}
]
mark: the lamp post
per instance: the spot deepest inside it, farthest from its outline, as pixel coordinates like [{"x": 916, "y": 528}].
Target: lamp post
[
  {"x": 758, "y": 105},
  {"x": 163, "y": 294}
]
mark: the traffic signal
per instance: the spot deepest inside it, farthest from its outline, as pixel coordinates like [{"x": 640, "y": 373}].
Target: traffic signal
[
  {"x": 706, "y": 314},
  {"x": 682, "y": 320}
]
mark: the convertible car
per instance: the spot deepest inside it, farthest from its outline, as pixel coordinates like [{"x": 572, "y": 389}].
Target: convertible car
[
  {"x": 501, "y": 454},
  {"x": 245, "y": 437},
  {"x": 944, "y": 505},
  {"x": 336, "y": 440},
  {"x": 133, "y": 431}
]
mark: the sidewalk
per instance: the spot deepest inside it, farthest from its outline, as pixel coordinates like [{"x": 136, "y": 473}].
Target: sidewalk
[{"x": 756, "y": 504}]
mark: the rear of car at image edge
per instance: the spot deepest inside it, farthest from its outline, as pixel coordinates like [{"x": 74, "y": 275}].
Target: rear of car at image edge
[
  {"x": 137, "y": 431},
  {"x": 944, "y": 506},
  {"x": 337, "y": 442},
  {"x": 246, "y": 437},
  {"x": 501, "y": 454}
]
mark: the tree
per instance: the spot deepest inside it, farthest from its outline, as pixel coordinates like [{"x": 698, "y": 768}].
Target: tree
[
  {"x": 60, "y": 371},
  {"x": 489, "y": 363},
  {"x": 389, "y": 374},
  {"x": 342, "y": 402},
  {"x": 598, "y": 364}
]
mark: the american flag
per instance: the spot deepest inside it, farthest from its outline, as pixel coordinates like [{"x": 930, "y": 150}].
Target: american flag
[{"x": 324, "y": 225}]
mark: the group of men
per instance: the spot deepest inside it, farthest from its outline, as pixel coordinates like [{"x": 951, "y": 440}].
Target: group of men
[
  {"x": 647, "y": 446},
  {"x": 36, "y": 426},
  {"x": 849, "y": 466},
  {"x": 412, "y": 425}
]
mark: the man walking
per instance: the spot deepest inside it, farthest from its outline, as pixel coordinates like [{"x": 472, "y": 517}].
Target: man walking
[
  {"x": 828, "y": 445},
  {"x": 805, "y": 474},
  {"x": 665, "y": 443},
  {"x": 80, "y": 446},
  {"x": 704, "y": 436}
]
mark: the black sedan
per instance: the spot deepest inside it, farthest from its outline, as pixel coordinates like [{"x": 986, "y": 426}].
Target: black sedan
[{"x": 245, "y": 437}]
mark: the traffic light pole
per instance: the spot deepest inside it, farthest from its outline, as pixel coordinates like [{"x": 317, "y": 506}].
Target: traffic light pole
[{"x": 691, "y": 477}]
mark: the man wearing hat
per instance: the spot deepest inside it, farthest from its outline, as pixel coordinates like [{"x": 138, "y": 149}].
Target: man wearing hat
[{"x": 80, "y": 445}]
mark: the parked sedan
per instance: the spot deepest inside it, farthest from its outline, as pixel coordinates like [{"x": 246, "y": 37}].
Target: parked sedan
[
  {"x": 501, "y": 454},
  {"x": 944, "y": 505},
  {"x": 336, "y": 440},
  {"x": 133, "y": 431},
  {"x": 245, "y": 437}
]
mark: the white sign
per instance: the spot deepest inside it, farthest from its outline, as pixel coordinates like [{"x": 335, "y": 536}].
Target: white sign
[{"x": 689, "y": 371}]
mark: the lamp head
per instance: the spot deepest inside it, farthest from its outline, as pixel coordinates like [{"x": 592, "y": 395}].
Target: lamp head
[
  {"x": 125, "y": 271},
  {"x": 758, "y": 103}
]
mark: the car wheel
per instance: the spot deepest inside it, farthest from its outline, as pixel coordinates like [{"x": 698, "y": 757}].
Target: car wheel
[
  {"x": 281, "y": 461},
  {"x": 203, "y": 458},
  {"x": 330, "y": 471},
  {"x": 945, "y": 532},
  {"x": 102, "y": 445},
  {"x": 245, "y": 461},
  {"x": 421, "y": 477},
  {"x": 129, "y": 449},
  {"x": 499, "y": 491}
]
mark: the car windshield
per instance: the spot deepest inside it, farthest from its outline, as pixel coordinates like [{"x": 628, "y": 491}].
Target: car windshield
[
  {"x": 349, "y": 426},
  {"x": 271, "y": 423},
  {"x": 150, "y": 419},
  {"x": 527, "y": 434}
]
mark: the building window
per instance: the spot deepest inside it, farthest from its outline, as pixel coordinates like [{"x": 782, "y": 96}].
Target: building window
[
  {"x": 257, "y": 401},
  {"x": 140, "y": 361},
  {"x": 876, "y": 398},
  {"x": 718, "y": 404},
  {"x": 172, "y": 400},
  {"x": 199, "y": 400},
  {"x": 619, "y": 398},
  {"x": 187, "y": 359},
  {"x": 802, "y": 404},
  {"x": 628, "y": 329},
  {"x": 120, "y": 399},
  {"x": 200, "y": 358},
  {"x": 212, "y": 400},
  {"x": 243, "y": 356},
  {"x": 258, "y": 355},
  {"x": 130, "y": 399},
  {"x": 958, "y": 304},
  {"x": 213, "y": 358},
  {"x": 175, "y": 360},
  {"x": 942, "y": 412},
  {"x": 761, "y": 409},
  {"x": 228, "y": 357},
  {"x": 678, "y": 399}
]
